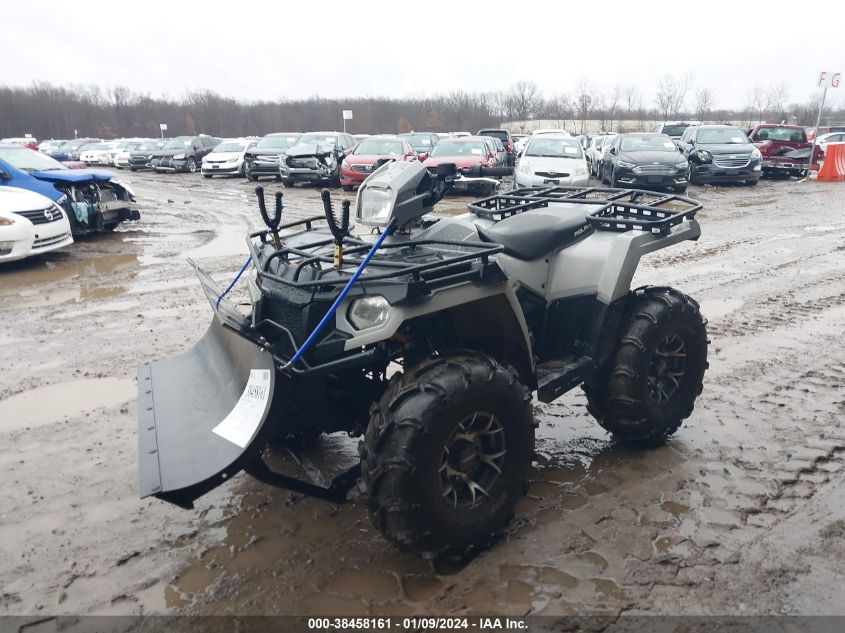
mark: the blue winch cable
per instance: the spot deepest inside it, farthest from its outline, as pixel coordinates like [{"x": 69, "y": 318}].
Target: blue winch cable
[
  {"x": 234, "y": 281},
  {"x": 312, "y": 337}
]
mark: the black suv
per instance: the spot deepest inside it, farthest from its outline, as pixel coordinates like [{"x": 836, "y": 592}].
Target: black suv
[
  {"x": 505, "y": 137},
  {"x": 183, "y": 153},
  {"x": 264, "y": 158},
  {"x": 720, "y": 153}
]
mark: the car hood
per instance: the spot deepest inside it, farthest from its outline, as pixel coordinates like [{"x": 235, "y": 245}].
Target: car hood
[
  {"x": 223, "y": 156},
  {"x": 367, "y": 159},
  {"x": 74, "y": 175},
  {"x": 546, "y": 163},
  {"x": 649, "y": 158},
  {"x": 15, "y": 199},
  {"x": 170, "y": 152},
  {"x": 461, "y": 162},
  {"x": 267, "y": 152},
  {"x": 311, "y": 149},
  {"x": 728, "y": 148}
]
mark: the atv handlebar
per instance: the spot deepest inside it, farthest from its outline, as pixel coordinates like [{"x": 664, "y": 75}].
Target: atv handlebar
[
  {"x": 339, "y": 229},
  {"x": 495, "y": 172},
  {"x": 271, "y": 222}
]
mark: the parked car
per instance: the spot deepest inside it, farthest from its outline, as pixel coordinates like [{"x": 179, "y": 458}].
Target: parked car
[
  {"x": 831, "y": 138},
  {"x": 183, "y": 153},
  {"x": 93, "y": 199},
  {"x": 30, "y": 224},
  {"x": 720, "y": 153},
  {"x": 359, "y": 163},
  {"x": 264, "y": 158},
  {"x": 551, "y": 159},
  {"x": 645, "y": 160},
  {"x": 140, "y": 157},
  {"x": 467, "y": 153},
  {"x": 227, "y": 158},
  {"x": 122, "y": 155},
  {"x": 422, "y": 142},
  {"x": 595, "y": 152},
  {"x": 505, "y": 137},
  {"x": 827, "y": 129},
  {"x": 778, "y": 145},
  {"x": 69, "y": 150},
  {"x": 497, "y": 148},
  {"x": 97, "y": 153},
  {"x": 29, "y": 142},
  {"x": 50, "y": 145},
  {"x": 674, "y": 129},
  {"x": 316, "y": 158}
]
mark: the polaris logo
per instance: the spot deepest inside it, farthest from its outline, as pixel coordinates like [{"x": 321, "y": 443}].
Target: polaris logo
[{"x": 581, "y": 231}]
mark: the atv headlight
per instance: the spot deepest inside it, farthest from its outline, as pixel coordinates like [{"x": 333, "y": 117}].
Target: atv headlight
[
  {"x": 368, "y": 312},
  {"x": 179, "y": 157},
  {"x": 374, "y": 205},
  {"x": 755, "y": 154}
]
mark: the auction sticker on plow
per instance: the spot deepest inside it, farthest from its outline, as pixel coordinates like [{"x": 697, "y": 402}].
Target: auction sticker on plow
[{"x": 239, "y": 426}]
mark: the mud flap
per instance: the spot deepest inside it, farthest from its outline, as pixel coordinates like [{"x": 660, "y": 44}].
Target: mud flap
[{"x": 201, "y": 415}]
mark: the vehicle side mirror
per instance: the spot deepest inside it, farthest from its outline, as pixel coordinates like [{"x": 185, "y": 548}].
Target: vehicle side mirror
[
  {"x": 519, "y": 154},
  {"x": 612, "y": 150},
  {"x": 681, "y": 149}
]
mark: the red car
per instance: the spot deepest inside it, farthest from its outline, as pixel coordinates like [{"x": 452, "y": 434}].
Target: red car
[
  {"x": 466, "y": 152},
  {"x": 785, "y": 148},
  {"x": 360, "y": 162}
]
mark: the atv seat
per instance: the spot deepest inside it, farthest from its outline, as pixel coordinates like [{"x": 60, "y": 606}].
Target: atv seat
[{"x": 536, "y": 233}]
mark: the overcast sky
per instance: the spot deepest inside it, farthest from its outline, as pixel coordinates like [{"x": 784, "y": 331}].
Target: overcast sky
[{"x": 266, "y": 50}]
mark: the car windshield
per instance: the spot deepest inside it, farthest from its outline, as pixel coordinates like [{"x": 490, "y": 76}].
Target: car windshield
[
  {"x": 233, "y": 146},
  {"x": 502, "y": 135},
  {"x": 721, "y": 136},
  {"x": 453, "y": 148},
  {"x": 675, "y": 129},
  {"x": 554, "y": 148},
  {"x": 319, "y": 139},
  {"x": 100, "y": 146},
  {"x": 179, "y": 142},
  {"x": 788, "y": 134},
  {"x": 277, "y": 142},
  {"x": 29, "y": 160},
  {"x": 379, "y": 148},
  {"x": 657, "y": 143}
]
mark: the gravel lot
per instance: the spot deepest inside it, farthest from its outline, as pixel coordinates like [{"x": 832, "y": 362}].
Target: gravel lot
[{"x": 742, "y": 512}]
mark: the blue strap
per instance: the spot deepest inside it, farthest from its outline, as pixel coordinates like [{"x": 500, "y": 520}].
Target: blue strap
[
  {"x": 234, "y": 281},
  {"x": 313, "y": 336}
]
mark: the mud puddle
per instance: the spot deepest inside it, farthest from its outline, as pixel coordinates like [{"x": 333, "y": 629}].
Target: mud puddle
[{"x": 46, "y": 405}]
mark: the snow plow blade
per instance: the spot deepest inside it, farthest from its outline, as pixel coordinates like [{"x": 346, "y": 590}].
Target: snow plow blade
[{"x": 201, "y": 414}]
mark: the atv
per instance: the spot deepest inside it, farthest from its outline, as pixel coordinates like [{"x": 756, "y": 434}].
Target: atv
[{"x": 428, "y": 338}]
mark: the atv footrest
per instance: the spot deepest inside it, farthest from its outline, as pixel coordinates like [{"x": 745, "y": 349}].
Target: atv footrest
[{"x": 556, "y": 377}]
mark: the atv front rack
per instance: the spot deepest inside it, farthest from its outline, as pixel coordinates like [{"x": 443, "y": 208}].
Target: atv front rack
[
  {"x": 617, "y": 209},
  {"x": 402, "y": 260}
]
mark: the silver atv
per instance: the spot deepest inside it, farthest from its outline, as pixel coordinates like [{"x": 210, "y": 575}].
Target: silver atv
[{"x": 430, "y": 338}]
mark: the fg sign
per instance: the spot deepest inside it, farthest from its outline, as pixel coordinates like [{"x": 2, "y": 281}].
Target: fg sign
[
  {"x": 347, "y": 115},
  {"x": 829, "y": 79}
]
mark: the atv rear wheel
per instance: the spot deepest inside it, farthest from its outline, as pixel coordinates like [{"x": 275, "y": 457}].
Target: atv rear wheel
[
  {"x": 650, "y": 386},
  {"x": 446, "y": 454}
]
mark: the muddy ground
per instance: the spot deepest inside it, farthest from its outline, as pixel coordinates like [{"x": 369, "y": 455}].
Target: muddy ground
[{"x": 742, "y": 512}]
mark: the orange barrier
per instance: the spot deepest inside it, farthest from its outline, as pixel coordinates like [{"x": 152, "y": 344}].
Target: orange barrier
[{"x": 833, "y": 168}]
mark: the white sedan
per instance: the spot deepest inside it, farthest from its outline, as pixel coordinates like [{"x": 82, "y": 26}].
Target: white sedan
[
  {"x": 30, "y": 224},
  {"x": 97, "y": 154},
  {"x": 551, "y": 159},
  {"x": 227, "y": 158}
]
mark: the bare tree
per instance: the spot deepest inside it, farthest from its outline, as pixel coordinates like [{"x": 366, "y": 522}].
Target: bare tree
[
  {"x": 613, "y": 99},
  {"x": 583, "y": 101},
  {"x": 526, "y": 99},
  {"x": 775, "y": 100},
  {"x": 754, "y": 97},
  {"x": 705, "y": 99}
]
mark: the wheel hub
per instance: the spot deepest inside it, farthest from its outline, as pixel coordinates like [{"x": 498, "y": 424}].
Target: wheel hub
[
  {"x": 472, "y": 459},
  {"x": 667, "y": 368}
]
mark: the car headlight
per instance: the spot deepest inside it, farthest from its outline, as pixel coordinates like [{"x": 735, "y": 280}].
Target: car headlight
[
  {"x": 525, "y": 167},
  {"x": 755, "y": 154},
  {"x": 625, "y": 164},
  {"x": 703, "y": 155},
  {"x": 369, "y": 312},
  {"x": 6, "y": 222},
  {"x": 581, "y": 170},
  {"x": 345, "y": 165},
  {"x": 682, "y": 165},
  {"x": 179, "y": 157},
  {"x": 375, "y": 205}
]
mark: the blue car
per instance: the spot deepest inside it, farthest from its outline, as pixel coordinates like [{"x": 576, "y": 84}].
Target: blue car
[{"x": 94, "y": 199}]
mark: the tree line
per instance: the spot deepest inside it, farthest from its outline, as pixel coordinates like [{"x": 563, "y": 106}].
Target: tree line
[{"x": 49, "y": 111}]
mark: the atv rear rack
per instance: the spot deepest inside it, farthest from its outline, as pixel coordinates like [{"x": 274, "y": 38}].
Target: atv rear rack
[
  {"x": 395, "y": 261},
  {"x": 618, "y": 209}
]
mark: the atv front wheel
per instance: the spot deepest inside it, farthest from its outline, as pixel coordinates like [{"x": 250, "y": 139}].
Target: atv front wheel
[
  {"x": 650, "y": 386},
  {"x": 446, "y": 454}
]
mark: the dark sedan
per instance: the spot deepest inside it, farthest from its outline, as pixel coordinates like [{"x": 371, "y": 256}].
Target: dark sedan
[
  {"x": 720, "y": 153},
  {"x": 264, "y": 158},
  {"x": 645, "y": 160}
]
